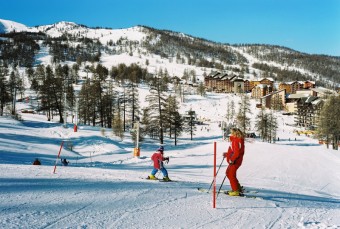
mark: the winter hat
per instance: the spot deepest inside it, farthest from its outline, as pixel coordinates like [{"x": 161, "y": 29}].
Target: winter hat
[{"x": 161, "y": 148}]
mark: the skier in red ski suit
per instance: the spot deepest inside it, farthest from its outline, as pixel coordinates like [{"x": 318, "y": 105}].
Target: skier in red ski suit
[
  {"x": 158, "y": 159},
  {"x": 234, "y": 158}
]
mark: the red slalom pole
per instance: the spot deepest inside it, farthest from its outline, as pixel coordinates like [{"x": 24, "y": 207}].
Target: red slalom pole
[
  {"x": 214, "y": 192},
  {"x": 55, "y": 166}
]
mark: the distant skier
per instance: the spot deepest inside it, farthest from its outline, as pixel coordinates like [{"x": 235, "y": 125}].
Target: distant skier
[
  {"x": 158, "y": 159},
  {"x": 36, "y": 162},
  {"x": 64, "y": 162},
  {"x": 234, "y": 158}
]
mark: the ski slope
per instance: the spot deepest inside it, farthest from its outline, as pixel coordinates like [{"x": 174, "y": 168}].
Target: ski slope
[{"x": 298, "y": 180}]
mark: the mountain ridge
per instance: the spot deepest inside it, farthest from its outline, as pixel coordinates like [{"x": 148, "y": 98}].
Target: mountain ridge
[
  {"x": 9, "y": 26},
  {"x": 142, "y": 43}
]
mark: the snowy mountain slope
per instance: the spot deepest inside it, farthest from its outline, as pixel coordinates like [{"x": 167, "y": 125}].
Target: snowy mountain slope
[
  {"x": 161, "y": 49},
  {"x": 297, "y": 179},
  {"x": 104, "y": 35},
  {"x": 7, "y": 26}
]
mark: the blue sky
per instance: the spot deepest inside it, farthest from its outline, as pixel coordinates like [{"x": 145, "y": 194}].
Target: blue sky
[{"x": 311, "y": 26}]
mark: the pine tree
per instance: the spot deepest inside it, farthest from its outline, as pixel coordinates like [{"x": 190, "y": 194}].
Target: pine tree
[
  {"x": 122, "y": 104},
  {"x": 230, "y": 114},
  {"x": 133, "y": 101},
  {"x": 201, "y": 89},
  {"x": 177, "y": 123},
  {"x": 329, "y": 122},
  {"x": 232, "y": 110},
  {"x": 266, "y": 125},
  {"x": 46, "y": 89},
  {"x": 157, "y": 104},
  {"x": 4, "y": 90},
  {"x": 84, "y": 103},
  {"x": 146, "y": 124},
  {"x": 96, "y": 102},
  {"x": 173, "y": 118},
  {"x": 108, "y": 104},
  {"x": 272, "y": 127},
  {"x": 244, "y": 109},
  {"x": 13, "y": 87},
  {"x": 117, "y": 125},
  {"x": 190, "y": 124},
  {"x": 261, "y": 124}
]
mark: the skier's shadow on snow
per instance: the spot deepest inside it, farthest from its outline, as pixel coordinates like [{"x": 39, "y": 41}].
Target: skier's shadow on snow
[{"x": 290, "y": 198}]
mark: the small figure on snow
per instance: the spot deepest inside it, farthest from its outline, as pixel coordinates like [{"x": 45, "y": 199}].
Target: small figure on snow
[
  {"x": 234, "y": 158},
  {"x": 36, "y": 162},
  {"x": 158, "y": 164},
  {"x": 64, "y": 162}
]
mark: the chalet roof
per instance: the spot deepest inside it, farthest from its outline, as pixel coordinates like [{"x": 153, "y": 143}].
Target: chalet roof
[
  {"x": 236, "y": 78},
  {"x": 307, "y": 81},
  {"x": 267, "y": 78},
  {"x": 303, "y": 91},
  {"x": 322, "y": 90},
  {"x": 218, "y": 76},
  {"x": 297, "y": 96},
  {"x": 291, "y": 82},
  {"x": 232, "y": 77},
  {"x": 313, "y": 100},
  {"x": 213, "y": 74},
  {"x": 224, "y": 76}
]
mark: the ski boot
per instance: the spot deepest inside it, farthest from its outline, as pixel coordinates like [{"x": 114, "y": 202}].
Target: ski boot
[
  {"x": 152, "y": 177},
  {"x": 234, "y": 193},
  {"x": 166, "y": 179},
  {"x": 241, "y": 189}
]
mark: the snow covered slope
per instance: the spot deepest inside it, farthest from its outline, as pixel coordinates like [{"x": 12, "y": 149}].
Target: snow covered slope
[
  {"x": 7, "y": 26},
  {"x": 296, "y": 179}
]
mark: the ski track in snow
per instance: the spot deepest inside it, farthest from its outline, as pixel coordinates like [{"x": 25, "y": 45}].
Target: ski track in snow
[{"x": 64, "y": 217}]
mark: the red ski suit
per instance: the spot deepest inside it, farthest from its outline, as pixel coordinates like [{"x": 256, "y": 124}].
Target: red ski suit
[
  {"x": 234, "y": 157},
  {"x": 157, "y": 159}
]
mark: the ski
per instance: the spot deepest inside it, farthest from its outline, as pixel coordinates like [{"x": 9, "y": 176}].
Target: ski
[
  {"x": 244, "y": 195},
  {"x": 247, "y": 196},
  {"x": 159, "y": 180},
  {"x": 150, "y": 179},
  {"x": 223, "y": 191}
]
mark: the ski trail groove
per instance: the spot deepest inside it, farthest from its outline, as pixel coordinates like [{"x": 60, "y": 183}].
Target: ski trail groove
[
  {"x": 66, "y": 216},
  {"x": 211, "y": 221}
]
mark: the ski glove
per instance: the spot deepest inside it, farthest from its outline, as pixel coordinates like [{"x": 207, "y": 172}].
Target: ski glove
[{"x": 166, "y": 159}]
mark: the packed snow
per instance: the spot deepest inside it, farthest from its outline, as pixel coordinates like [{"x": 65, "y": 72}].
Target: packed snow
[{"x": 297, "y": 181}]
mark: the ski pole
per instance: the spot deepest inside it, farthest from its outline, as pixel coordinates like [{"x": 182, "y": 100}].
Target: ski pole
[
  {"x": 216, "y": 174},
  {"x": 221, "y": 186}
]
